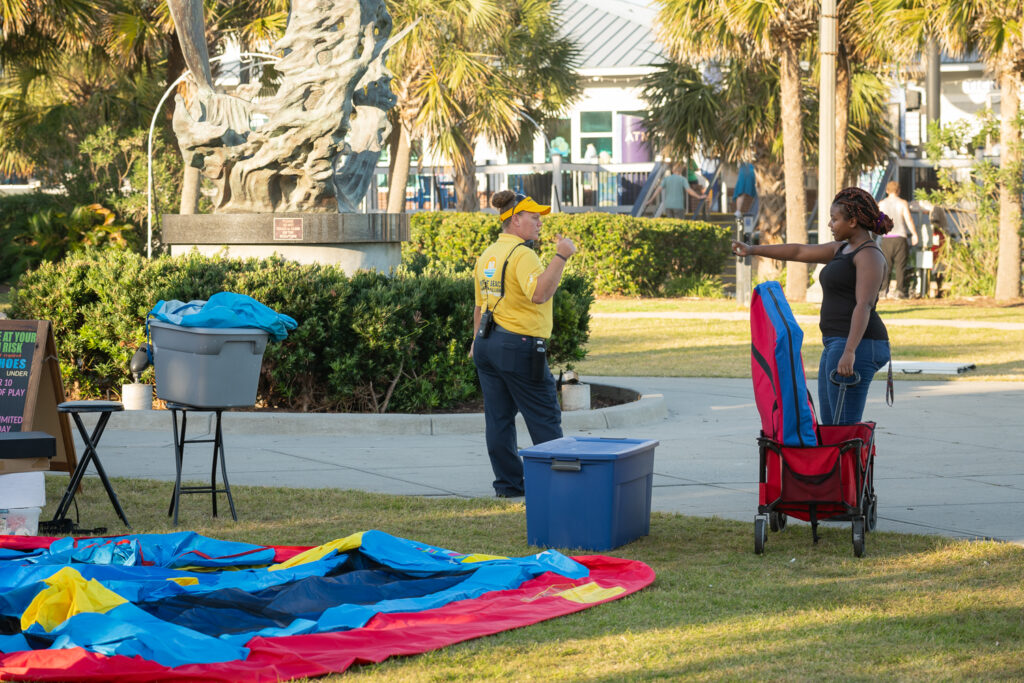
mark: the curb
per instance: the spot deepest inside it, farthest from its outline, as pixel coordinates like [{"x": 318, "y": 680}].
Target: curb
[{"x": 649, "y": 408}]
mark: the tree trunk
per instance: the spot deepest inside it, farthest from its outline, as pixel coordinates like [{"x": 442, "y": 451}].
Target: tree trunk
[
  {"x": 465, "y": 179},
  {"x": 772, "y": 211},
  {"x": 400, "y": 175},
  {"x": 1008, "y": 269},
  {"x": 793, "y": 165},
  {"x": 843, "y": 81}
]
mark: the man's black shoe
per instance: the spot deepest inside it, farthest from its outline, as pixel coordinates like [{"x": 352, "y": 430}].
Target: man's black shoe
[{"x": 510, "y": 494}]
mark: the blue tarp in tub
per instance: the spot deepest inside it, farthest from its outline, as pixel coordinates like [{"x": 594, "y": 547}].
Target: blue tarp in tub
[{"x": 224, "y": 310}]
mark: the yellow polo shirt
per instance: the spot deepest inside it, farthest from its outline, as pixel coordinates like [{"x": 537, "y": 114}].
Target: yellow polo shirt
[{"x": 516, "y": 312}]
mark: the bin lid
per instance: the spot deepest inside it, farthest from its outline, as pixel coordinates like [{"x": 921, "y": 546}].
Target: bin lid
[{"x": 587, "y": 447}]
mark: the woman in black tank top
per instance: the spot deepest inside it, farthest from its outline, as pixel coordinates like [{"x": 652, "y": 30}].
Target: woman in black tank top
[{"x": 854, "y": 337}]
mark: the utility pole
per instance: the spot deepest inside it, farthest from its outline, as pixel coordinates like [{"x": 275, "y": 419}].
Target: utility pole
[{"x": 826, "y": 130}]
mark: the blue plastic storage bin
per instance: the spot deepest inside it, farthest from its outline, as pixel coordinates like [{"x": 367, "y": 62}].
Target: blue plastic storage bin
[{"x": 588, "y": 493}]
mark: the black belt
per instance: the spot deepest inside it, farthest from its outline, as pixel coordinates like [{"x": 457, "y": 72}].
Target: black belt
[{"x": 499, "y": 328}]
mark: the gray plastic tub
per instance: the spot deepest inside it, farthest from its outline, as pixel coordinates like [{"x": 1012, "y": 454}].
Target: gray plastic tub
[{"x": 207, "y": 367}]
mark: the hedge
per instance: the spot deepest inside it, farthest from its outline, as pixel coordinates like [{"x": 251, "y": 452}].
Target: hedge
[
  {"x": 364, "y": 343},
  {"x": 618, "y": 254}
]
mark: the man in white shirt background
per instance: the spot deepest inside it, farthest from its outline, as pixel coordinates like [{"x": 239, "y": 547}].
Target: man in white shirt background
[{"x": 896, "y": 245}]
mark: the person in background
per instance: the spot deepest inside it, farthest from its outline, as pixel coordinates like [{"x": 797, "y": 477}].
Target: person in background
[
  {"x": 895, "y": 245},
  {"x": 854, "y": 337},
  {"x": 512, "y": 322},
  {"x": 673, "y": 190},
  {"x": 746, "y": 188}
]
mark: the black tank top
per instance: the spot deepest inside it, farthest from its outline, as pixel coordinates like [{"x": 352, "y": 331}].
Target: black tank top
[{"x": 839, "y": 297}]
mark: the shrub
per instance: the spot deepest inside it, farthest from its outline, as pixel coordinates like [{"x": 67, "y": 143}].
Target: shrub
[
  {"x": 704, "y": 286},
  {"x": 968, "y": 264},
  {"x": 618, "y": 254},
  {"x": 365, "y": 343},
  {"x": 15, "y": 211},
  {"x": 40, "y": 229}
]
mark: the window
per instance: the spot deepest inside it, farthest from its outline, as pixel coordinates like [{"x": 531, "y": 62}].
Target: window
[
  {"x": 596, "y": 135},
  {"x": 595, "y": 122}
]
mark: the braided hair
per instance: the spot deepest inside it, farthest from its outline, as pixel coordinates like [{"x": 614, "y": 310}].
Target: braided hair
[{"x": 862, "y": 208}]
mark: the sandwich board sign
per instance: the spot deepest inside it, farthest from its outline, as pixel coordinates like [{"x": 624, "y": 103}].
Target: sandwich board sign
[{"x": 31, "y": 387}]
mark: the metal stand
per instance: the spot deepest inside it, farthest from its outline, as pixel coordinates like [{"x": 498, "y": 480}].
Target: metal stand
[
  {"x": 91, "y": 441},
  {"x": 218, "y": 454}
]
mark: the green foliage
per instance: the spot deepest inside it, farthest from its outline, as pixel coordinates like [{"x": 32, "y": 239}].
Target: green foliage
[
  {"x": 49, "y": 233},
  {"x": 451, "y": 238},
  {"x": 111, "y": 168},
  {"x": 703, "y": 286},
  {"x": 15, "y": 211},
  {"x": 618, "y": 254},
  {"x": 365, "y": 343},
  {"x": 970, "y": 262}
]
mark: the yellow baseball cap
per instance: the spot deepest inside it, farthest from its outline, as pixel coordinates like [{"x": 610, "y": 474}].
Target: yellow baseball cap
[{"x": 524, "y": 203}]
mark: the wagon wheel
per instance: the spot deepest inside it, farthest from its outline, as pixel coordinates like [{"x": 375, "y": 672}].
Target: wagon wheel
[
  {"x": 760, "y": 534},
  {"x": 777, "y": 521},
  {"x": 858, "y": 536},
  {"x": 872, "y": 512}
]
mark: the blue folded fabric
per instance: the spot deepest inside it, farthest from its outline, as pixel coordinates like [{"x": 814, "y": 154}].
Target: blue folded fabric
[{"x": 224, "y": 310}]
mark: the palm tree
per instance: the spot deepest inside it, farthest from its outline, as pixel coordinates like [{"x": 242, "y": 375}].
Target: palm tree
[
  {"x": 765, "y": 29},
  {"x": 40, "y": 39},
  {"x": 1002, "y": 31},
  {"x": 864, "y": 47},
  {"x": 738, "y": 118},
  {"x": 996, "y": 30},
  {"x": 471, "y": 70}
]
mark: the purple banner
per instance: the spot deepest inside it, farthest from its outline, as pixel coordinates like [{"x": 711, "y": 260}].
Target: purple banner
[{"x": 634, "y": 140}]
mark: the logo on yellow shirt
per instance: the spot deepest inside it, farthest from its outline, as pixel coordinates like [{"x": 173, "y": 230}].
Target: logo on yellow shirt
[{"x": 491, "y": 268}]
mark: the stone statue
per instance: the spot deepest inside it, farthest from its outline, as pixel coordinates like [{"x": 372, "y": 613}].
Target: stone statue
[{"x": 322, "y": 131}]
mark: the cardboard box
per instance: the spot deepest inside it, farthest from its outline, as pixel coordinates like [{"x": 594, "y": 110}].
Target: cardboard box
[
  {"x": 588, "y": 493},
  {"x": 10, "y": 466}
]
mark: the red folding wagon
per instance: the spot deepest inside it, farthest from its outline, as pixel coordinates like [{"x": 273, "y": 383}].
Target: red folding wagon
[
  {"x": 833, "y": 481},
  {"x": 808, "y": 471}
]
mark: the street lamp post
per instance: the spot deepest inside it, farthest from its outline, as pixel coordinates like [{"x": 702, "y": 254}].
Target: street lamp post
[{"x": 826, "y": 129}]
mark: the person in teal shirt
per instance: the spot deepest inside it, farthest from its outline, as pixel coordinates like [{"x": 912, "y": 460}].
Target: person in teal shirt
[{"x": 674, "y": 189}]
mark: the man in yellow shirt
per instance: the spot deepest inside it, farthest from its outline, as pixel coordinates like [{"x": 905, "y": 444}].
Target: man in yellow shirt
[{"x": 511, "y": 324}]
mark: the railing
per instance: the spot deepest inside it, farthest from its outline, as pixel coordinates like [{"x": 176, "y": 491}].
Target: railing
[{"x": 582, "y": 187}]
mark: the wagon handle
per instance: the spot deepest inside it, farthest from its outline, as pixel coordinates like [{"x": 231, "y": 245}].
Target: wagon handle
[{"x": 840, "y": 380}]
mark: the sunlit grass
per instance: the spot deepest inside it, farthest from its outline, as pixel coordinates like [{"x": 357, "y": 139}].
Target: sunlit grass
[
  {"x": 917, "y": 608},
  {"x": 668, "y": 347},
  {"x": 943, "y": 309}
]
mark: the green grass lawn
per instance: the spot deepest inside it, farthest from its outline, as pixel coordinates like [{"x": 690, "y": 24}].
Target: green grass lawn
[
  {"x": 721, "y": 348},
  {"x": 915, "y": 608}
]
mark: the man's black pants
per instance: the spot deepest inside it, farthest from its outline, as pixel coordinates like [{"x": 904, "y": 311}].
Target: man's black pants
[
  {"x": 504, "y": 362},
  {"x": 895, "y": 251}
]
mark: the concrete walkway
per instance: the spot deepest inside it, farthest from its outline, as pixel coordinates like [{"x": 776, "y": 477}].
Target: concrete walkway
[{"x": 950, "y": 454}]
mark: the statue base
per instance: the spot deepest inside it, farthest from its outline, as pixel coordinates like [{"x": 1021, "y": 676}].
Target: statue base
[{"x": 350, "y": 241}]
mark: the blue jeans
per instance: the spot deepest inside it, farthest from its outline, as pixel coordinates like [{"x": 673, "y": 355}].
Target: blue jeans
[{"x": 871, "y": 355}]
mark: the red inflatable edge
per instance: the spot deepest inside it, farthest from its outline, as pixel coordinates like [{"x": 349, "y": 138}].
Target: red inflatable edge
[{"x": 385, "y": 635}]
